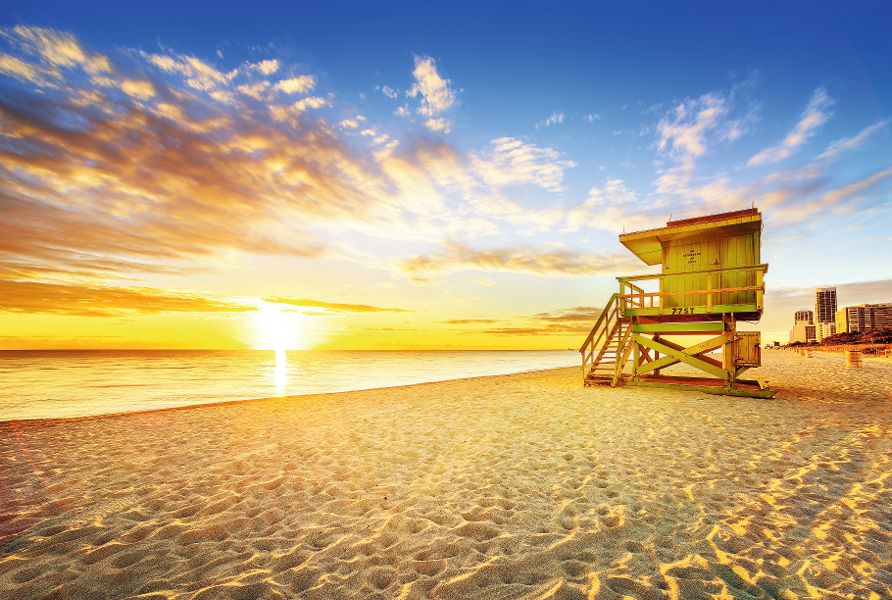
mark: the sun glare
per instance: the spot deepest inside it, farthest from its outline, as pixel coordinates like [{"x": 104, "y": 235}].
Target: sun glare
[{"x": 279, "y": 330}]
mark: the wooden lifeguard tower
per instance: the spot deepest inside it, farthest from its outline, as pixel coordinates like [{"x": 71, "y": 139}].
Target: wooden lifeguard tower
[{"x": 711, "y": 278}]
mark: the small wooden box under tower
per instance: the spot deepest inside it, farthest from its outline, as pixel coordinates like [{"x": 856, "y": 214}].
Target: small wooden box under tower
[{"x": 711, "y": 277}]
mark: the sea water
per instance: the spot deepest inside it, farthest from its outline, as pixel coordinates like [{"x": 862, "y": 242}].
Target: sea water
[{"x": 76, "y": 383}]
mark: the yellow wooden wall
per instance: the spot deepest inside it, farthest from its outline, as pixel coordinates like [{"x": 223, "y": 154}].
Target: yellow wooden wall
[{"x": 705, "y": 252}]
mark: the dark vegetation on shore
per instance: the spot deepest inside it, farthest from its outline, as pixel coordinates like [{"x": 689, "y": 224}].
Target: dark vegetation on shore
[{"x": 871, "y": 342}]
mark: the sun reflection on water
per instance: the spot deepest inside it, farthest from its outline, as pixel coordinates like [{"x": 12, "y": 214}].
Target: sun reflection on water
[{"x": 280, "y": 373}]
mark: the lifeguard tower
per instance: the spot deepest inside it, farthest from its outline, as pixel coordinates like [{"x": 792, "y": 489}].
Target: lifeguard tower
[{"x": 711, "y": 278}]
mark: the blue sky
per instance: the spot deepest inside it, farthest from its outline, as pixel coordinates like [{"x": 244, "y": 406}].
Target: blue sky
[{"x": 500, "y": 146}]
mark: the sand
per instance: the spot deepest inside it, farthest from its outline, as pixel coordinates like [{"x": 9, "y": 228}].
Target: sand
[{"x": 500, "y": 487}]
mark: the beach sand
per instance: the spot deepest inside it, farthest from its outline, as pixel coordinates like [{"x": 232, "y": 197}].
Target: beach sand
[{"x": 498, "y": 487}]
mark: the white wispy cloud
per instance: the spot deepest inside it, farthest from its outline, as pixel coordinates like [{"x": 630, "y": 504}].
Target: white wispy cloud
[
  {"x": 388, "y": 91},
  {"x": 510, "y": 161},
  {"x": 815, "y": 114},
  {"x": 606, "y": 207},
  {"x": 197, "y": 74},
  {"x": 591, "y": 117},
  {"x": 140, "y": 89},
  {"x": 555, "y": 118},
  {"x": 350, "y": 123},
  {"x": 435, "y": 91},
  {"x": 838, "y": 200},
  {"x": 850, "y": 143},
  {"x": 254, "y": 90},
  {"x": 281, "y": 113},
  {"x": 297, "y": 85},
  {"x": 457, "y": 257},
  {"x": 267, "y": 67},
  {"x": 438, "y": 125},
  {"x": 683, "y": 131}
]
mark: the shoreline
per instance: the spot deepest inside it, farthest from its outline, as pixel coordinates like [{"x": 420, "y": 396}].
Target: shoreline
[{"x": 265, "y": 398}]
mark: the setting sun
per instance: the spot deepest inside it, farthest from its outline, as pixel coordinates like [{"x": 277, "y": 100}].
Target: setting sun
[{"x": 279, "y": 329}]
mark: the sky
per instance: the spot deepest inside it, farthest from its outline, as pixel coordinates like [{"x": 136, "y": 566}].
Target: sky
[{"x": 398, "y": 176}]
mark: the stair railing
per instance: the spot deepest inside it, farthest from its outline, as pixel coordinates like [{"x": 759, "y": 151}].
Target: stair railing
[
  {"x": 599, "y": 334},
  {"x": 624, "y": 348}
]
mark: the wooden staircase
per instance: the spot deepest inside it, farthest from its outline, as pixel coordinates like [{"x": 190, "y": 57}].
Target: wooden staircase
[{"x": 606, "y": 349}]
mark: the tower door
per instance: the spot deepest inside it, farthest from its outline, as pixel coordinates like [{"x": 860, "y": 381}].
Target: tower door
[
  {"x": 738, "y": 251},
  {"x": 682, "y": 261}
]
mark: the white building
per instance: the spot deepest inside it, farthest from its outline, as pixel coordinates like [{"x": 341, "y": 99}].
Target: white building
[{"x": 803, "y": 328}]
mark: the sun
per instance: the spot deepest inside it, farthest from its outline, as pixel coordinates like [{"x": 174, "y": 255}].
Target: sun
[{"x": 277, "y": 329}]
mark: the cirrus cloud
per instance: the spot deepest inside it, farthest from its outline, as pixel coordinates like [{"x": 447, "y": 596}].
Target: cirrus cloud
[
  {"x": 458, "y": 257},
  {"x": 815, "y": 114}
]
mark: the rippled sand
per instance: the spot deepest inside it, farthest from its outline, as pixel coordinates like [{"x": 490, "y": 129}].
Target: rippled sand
[{"x": 499, "y": 487}]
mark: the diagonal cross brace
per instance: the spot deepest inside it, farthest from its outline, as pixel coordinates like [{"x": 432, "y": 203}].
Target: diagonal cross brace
[{"x": 689, "y": 356}]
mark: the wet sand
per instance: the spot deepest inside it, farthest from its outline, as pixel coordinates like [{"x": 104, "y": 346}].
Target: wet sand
[{"x": 496, "y": 487}]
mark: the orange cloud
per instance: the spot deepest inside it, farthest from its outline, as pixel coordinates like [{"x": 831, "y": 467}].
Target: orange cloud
[
  {"x": 457, "y": 257},
  {"x": 565, "y": 321},
  {"x": 97, "y": 301},
  {"x": 332, "y": 306}
]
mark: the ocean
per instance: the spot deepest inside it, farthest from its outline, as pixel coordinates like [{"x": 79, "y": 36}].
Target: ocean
[{"x": 77, "y": 383}]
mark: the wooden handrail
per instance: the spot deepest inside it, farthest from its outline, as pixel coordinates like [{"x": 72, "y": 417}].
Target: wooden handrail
[
  {"x": 755, "y": 268},
  {"x": 689, "y": 292},
  {"x": 601, "y": 318}
]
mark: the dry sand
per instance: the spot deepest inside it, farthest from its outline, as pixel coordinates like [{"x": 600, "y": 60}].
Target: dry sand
[{"x": 499, "y": 487}]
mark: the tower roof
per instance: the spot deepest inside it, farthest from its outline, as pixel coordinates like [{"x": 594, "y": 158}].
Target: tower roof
[{"x": 648, "y": 244}]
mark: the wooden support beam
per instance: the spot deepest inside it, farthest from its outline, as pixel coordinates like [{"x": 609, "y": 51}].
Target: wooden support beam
[
  {"x": 694, "y": 351},
  {"x": 680, "y": 356},
  {"x": 696, "y": 327}
]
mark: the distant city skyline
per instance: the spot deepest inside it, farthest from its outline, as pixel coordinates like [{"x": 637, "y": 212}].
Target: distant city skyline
[
  {"x": 408, "y": 176},
  {"x": 855, "y": 317}
]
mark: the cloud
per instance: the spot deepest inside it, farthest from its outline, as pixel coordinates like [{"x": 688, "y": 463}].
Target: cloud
[
  {"x": 555, "y": 118},
  {"x": 458, "y": 257},
  {"x": 816, "y": 114},
  {"x": 254, "y": 90},
  {"x": 837, "y": 200},
  {"x": 55, "y": 49},
  {"x": 282, "y": 113},
  {"x": 296, "y": 85},
  {"x": 196, "y": 73},
  {"x": 142, "y": 90},
  {"x": 331, "y": 306},
  {"x": 850, "y": 143},
  {"x": 591, "y": 117},
  {"x": 438, "y": 125},
  {"x": 266, "y": 67},
  {"x": 564, "y": 321},
  {"x": 436, "y": 95},
  {"x": 683, "y": 131},
  {"x": 98, "y": 301},
  {"x": 170, "y": 165},
  {"x": 605, "y": 208},
  {"x": 576, "y": 314},
  {"x": 510, "y": 161},
  {"x": 162, "y": 177},
  {"x": 470, "y": 321},
  {"x": 388, "y": 91},
  {"x": 12, "y": 66}
]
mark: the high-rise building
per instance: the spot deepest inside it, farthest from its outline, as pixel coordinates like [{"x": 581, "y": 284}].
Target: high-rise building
[
  {"x": 825, "y": 312},
  {"x": 803, "y": 327},
  {"x": 804, "y": 315},
  {"x": 864, "y": 317}
]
